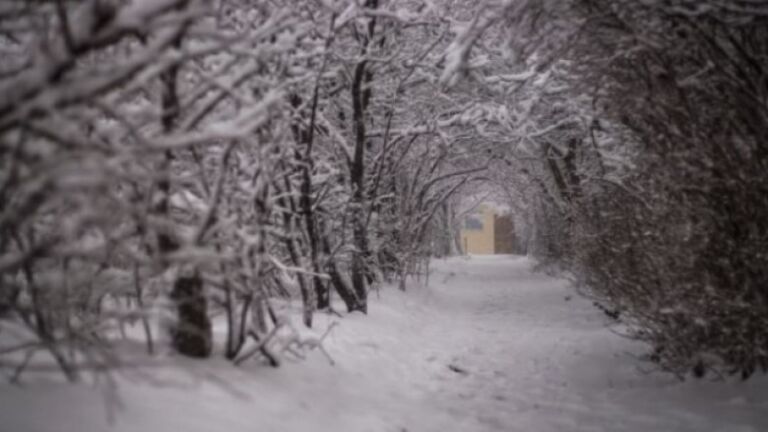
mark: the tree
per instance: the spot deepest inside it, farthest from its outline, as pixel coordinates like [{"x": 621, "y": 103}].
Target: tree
[{"x": 668, "y": 238}]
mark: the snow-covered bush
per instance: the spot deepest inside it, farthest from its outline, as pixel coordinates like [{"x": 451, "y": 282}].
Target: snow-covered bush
[
  {"x": 675, "y": 241},
  {"x": 128, "y": 136},
  {"x": 212, "y": 156}
]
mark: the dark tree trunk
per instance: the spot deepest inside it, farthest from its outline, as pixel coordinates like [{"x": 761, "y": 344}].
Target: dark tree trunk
[
  {"x": 306, "y": 163},
  {"x": 348, "y": 296},
  {"x": 293, "y": 251},
  {"x": 192, "y": 335},
  {"x": 361, "y": 94}
]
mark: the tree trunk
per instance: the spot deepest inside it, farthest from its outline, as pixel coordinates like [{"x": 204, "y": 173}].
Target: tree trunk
[
  {"x": 348, "y": 296},
  {"x": 191, "y": 335},
  {"x": 361, "y": 94}
]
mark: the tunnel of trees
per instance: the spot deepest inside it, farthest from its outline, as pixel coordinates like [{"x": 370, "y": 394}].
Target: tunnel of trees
[{"x": 187, "y": 159}]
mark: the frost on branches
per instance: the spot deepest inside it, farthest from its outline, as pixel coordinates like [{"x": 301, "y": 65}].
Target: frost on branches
[{"x": 173, "y": 167}]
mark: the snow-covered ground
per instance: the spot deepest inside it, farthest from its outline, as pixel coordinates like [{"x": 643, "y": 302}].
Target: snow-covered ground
[{"x": 488, "y": 346}]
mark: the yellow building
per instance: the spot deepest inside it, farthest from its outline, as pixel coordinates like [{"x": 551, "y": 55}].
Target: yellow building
[{"x": 485, "y": 232}]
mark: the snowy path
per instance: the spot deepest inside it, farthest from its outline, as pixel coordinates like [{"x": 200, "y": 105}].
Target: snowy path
[
  {"x": 489, "y": 346},
  {"x": 541, "y": 359}
]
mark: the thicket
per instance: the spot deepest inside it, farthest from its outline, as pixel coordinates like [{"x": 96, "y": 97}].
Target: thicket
[
  {"x": 185, "y": 161},
  {"x": 662, "y": 198}
]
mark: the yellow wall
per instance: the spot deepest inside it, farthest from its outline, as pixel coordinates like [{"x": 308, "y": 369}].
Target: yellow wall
[{"x": 479, "y": 242}]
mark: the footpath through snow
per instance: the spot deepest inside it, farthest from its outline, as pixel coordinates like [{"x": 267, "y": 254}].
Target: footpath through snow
[{"x": 488, "y": 346}]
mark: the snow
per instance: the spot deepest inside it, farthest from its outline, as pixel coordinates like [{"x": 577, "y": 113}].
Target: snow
[{"x": 490, "y": 345}]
